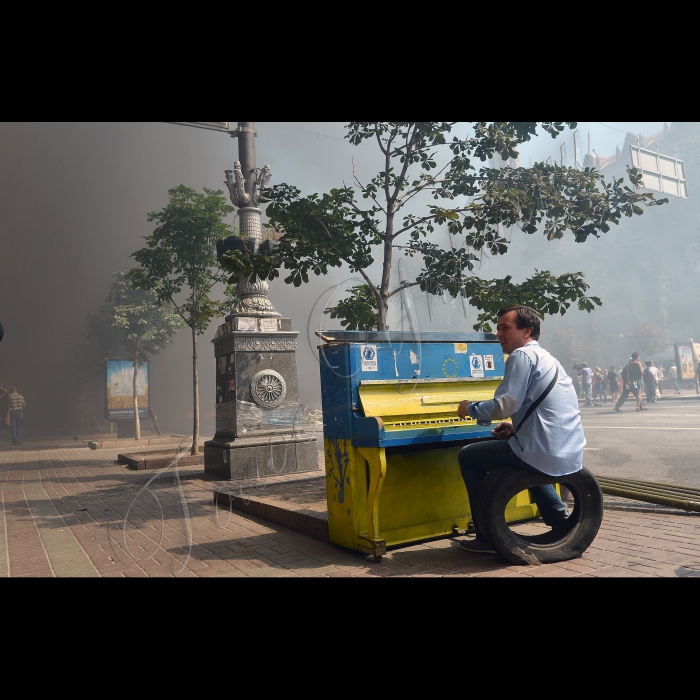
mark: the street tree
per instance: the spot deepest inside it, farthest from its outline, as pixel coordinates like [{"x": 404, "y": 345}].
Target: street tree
[
  {"x": 647, "y": 339},
  {"x": 430, "y": 178},
  {"x": 566, "y": 347},
  {"x": 144, "y": 326},
  {"x": 179, "y": 266}
]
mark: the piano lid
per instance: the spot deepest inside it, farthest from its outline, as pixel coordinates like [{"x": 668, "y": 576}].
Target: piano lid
[{"x": 343, "y": 336}]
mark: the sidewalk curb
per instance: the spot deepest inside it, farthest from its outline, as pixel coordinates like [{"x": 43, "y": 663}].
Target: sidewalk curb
[
  {"x": 694, "y": 397},
  {"x": 306, "y": 522}
]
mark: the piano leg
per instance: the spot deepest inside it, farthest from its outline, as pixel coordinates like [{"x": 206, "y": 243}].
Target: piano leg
[{"x": 376, "y": 458}]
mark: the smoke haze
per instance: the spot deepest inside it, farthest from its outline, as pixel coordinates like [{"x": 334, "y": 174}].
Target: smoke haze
[{"x": 74, "y": 199}]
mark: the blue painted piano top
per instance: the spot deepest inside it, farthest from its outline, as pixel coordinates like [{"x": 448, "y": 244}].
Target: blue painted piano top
[
  {"x": 407, "y": 337},
  {"x": 419, "y": 362}
]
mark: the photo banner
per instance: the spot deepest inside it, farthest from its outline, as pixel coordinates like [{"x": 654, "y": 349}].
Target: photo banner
[
  {"x": 119, "y": 394},
  {"x": 685, "y": 360}
]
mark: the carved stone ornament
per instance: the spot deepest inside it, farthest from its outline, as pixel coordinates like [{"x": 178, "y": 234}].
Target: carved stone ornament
[
  {"x": 265, "y": 344},
  {"x": 268, "y": 388},
  {"x": 252, "y": 299},
  {"x": 261, "y": 183},
  {"x": 236, "y": 189}
]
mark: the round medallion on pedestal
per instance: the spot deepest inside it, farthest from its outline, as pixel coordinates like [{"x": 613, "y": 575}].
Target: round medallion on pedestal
[{"x": 268, "y": 388}]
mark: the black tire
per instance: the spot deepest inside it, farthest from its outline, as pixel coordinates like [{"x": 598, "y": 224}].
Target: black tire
[{"x": 566, "y": 541}]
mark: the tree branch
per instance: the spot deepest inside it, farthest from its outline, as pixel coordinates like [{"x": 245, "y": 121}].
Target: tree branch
[
  {"x": 359, "y": 211},
  {"x": 374, "y": 289},
  {"x": 343, "y": 258},
  {"x": 403, "y": 286},
  {"x": 420, "y": 188},
  {"x": 362, "y": 187},
  {"x": 406, "y": 163},
  {"x": 387, "y": 167},
  {"x": 379, "y": 140},
  {"x": 426, "y": 218}
]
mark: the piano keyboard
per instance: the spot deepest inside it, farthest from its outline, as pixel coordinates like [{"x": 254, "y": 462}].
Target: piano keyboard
[{"x": 428, "y": 423}]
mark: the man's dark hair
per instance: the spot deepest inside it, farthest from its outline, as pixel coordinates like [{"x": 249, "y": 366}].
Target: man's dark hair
[
  {"x": 635, "y": 355},
  {"x": 526, "y": 318},
  {"x": 648, "y": 363}
]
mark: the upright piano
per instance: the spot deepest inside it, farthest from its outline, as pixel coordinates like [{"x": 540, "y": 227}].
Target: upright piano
[{"x": 392, "y": 434}]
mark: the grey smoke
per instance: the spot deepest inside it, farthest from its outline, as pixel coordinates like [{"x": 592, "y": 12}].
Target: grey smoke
[{"x": 74, "y": 199}]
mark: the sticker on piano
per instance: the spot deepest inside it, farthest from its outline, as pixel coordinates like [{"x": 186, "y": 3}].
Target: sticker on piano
[
  {"x": 476, "y": 362},
  {"x": 450, "y": 368},
  {"x": 488, "y": 363},
  {"x": 369, "y": 358},
  {"x": 461, "y": 348}
]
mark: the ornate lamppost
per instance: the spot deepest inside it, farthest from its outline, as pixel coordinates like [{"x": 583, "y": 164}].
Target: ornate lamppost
[{"x": 245, "y": 185}]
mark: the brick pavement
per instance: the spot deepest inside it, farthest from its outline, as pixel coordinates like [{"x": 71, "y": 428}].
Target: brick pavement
[{"x": 63, "y": 507}]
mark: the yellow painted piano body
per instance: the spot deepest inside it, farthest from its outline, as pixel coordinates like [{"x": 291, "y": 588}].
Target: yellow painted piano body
[{"x": 392, "y": 435}]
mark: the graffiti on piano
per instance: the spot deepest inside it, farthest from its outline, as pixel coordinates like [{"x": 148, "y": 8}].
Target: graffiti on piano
[{"x": 338, "y": 459}]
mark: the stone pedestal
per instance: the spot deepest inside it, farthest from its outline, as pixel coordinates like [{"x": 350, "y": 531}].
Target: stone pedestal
[{"x": 258, "y": 420}]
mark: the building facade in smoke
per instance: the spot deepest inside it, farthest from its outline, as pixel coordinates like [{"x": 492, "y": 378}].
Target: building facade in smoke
[{"x": 645, "y": 270}]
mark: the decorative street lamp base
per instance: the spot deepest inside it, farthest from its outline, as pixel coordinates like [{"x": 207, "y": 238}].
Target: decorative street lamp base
[
  {"x": 258, "y": 417},
  {"x": 262, "y": 456}
]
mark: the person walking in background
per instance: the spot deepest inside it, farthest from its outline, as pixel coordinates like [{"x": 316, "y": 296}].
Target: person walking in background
[
  {"x": 673, "y": 376},
  {"x": 613, "y": 384},
  {"x": 4, "y": 408},
  {"x": 586, "y": 374},
  {"x": 650, "y": 382},
  {"x": 577, "y": 384},
  {"x": 599, "y": 386},
  {"x": 632, "y": 383},
  {"x": 16, "y": 411},
  {"x": 657, "y": 381}
]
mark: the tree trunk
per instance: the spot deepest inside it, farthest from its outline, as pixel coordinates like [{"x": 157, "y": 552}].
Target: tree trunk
[
  {"x": 386, "y": 271},
  {"x": 381, "y": 314},
  {"x": 195, "y": 386},
  {"x": 137, "y": 422}
]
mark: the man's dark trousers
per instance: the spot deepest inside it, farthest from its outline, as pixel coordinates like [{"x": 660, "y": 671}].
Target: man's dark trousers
[
  {"x": 650, "y": 389},
  {"x": 625, "y": 393},
  {"x": 477, "y": 459},
  {"x": 16, "y": 426}
]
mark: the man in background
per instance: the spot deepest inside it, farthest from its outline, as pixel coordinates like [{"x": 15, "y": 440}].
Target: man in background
[
  {"x": 650, "y": 382},
  {"x": 673, "y": 376},
  {"x": 4, "y": 408},
  {"x": 16, "y": 412},
  {"x": 586, "y": 378},
  {"x": 614, "y": 384},
  {"x": 632, "y": 383}
]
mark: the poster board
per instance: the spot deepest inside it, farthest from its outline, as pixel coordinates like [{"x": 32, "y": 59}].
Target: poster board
[
  {"x": 686, "y": 358},
  {"x": 119, "y": 399}
]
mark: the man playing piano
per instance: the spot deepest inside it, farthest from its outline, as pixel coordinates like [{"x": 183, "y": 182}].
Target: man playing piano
[{"x": 541, "y": 400}]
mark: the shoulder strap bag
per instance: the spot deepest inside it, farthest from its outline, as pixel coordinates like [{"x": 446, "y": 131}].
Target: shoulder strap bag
[{"x": 541, "y": 398}]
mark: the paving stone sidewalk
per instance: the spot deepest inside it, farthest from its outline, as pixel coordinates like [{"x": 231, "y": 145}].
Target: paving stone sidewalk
[{"x": 63, "y": 509}]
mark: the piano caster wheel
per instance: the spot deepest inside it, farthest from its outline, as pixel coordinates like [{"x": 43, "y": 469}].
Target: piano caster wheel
[{"x": 378, "y": 558}]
